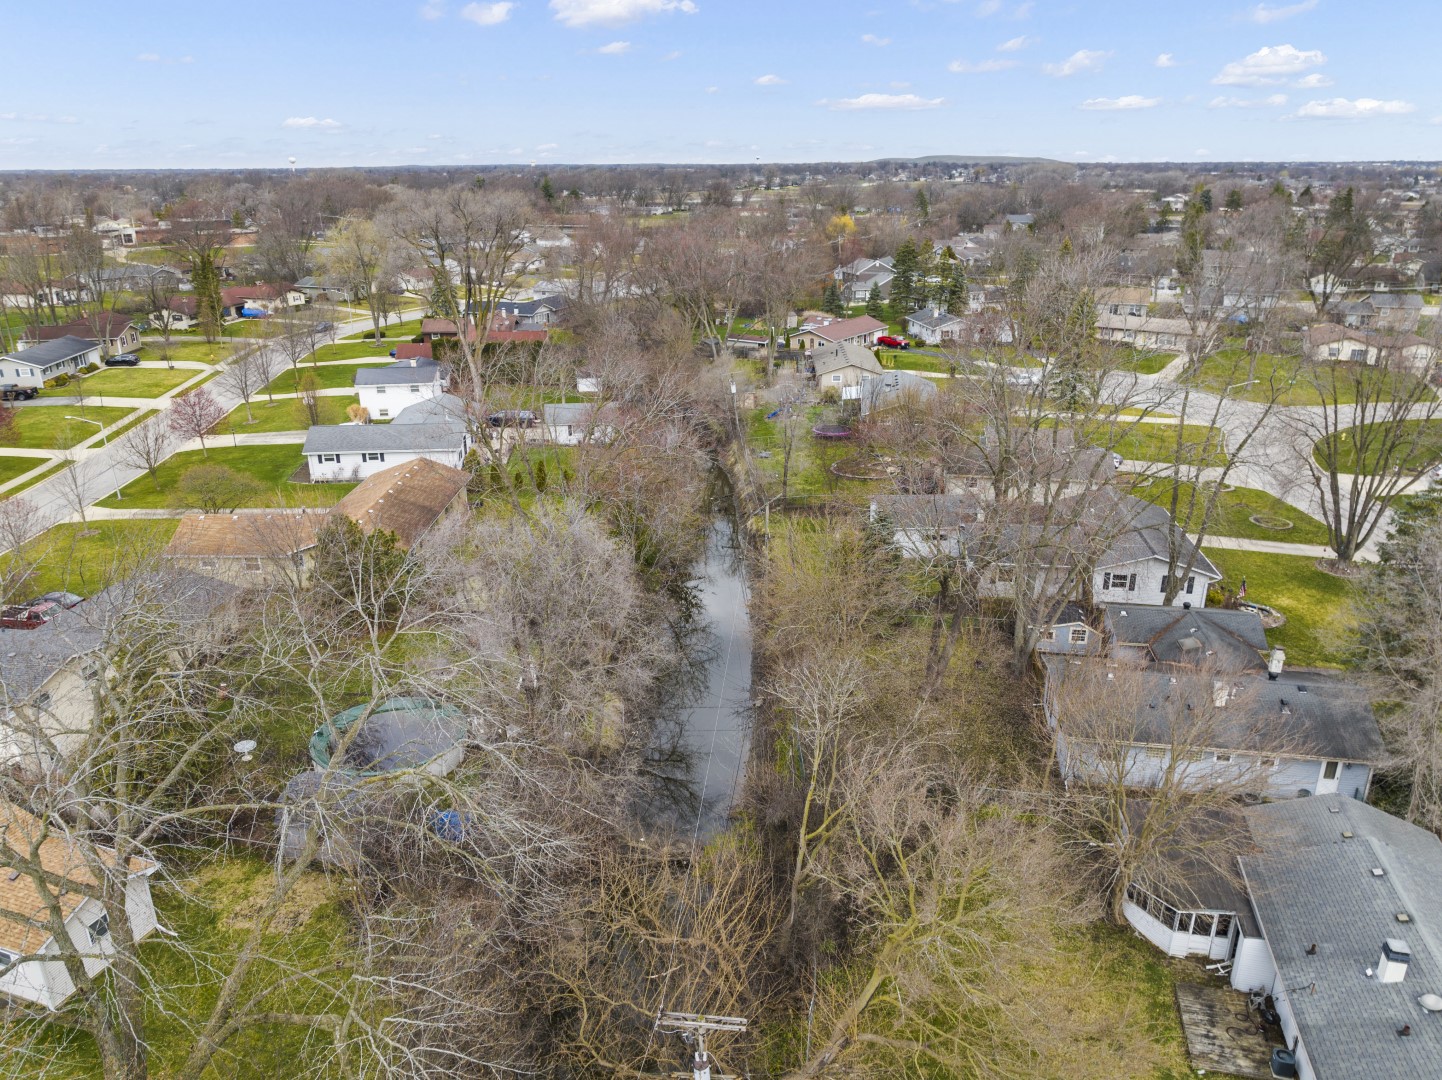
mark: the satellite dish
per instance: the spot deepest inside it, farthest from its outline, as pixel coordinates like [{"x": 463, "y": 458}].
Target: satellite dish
[
  {"x": 1430, "y": 1002},
  {"x": 245, "y": 748}
]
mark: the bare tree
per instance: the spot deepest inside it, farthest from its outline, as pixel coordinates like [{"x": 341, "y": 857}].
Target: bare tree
[
  {"x": 146, "y": 445},
  {"x": 1368, "y": 441},
  {"x": 244, "y": 376},
  {"x": 18, "y": 561},
  {"x": 194, "y": 415},
  {"x": 358, "y": 256}
]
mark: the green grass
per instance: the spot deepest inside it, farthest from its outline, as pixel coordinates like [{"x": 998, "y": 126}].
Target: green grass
[
  {"x": 285, "y": 414},
  {"x": 184, "y": 348},
  {"x": 910, "y": 361},
  {"x": 46, "y": 427},
  {"x": 86, "y": 558},
  {"x": 358, "y": 350},
  {"x": 54, "y": 468},
  {"x": 405, "y": 330},
  {"x": 1290, "y": 379},
  {"x": 1141, "y": 361},
  {"x": 1234, "y": 510},
  {"x": 1158, "y": 442},
  {"x": 1315, "y": 603},
  {"x": 136, "y": 382},
  {"x": 1422, "y": 437},
  {"x": 329, "y": 377},
  {"x": 210, "y": 912},
  {"x": 11, "y": 467},
  {"x": 271, "y": 466}
]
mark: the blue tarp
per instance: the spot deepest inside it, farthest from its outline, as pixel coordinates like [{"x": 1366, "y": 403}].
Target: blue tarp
[{"x": 253, "y": 313}]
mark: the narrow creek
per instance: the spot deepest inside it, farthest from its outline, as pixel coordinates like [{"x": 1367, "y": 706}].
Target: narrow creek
[{"x": 702, "y": 731}]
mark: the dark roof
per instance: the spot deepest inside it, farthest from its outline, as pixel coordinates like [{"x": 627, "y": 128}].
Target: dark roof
[
  {"x": 892, "y": 388},
  {"x": 1309, "y": 885},
  {"x": 933, "y": 318},
  {"x": 523, "y": 308},
  {"x": 1142, "y": 530},
  {"x": 444, "y": 408},
  {"x": 1222, "y": 639},
  {"x": 30, "y": 657},
  {"x": 53, "y": 352},
  {"x": 108, "y": 324},
  {"x": 1304, "y": 714},
  {"x": 400, "y": 373}
]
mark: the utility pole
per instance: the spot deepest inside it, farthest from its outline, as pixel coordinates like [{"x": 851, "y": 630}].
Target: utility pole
[{"x": 693, "y": 1028}]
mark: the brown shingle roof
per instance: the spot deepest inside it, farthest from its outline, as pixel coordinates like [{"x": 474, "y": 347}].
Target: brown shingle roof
[
  {"x": 236, "y": 536},
  {"x": 843, "y": 329},
  {"x": 405, "y": 499},
  {"x": 19, "y": 831},
  {"x": 109, "y": 324}
]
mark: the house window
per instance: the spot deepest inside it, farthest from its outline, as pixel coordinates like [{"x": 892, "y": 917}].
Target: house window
[
  {"x": 1119, "y": 581},
  {"x": 99, "y": 929},
  {"x": 372, "y": 457},
  {"x": 383, "y": 413},
  {"x": 1329, "y": 770},
  {"x": 1269, "y": 763},
  {"x": 206, "y": 564},
  {"x": 1191, "y": 585},
  {"x": 1358, "y": 354},
  {"x": 1049, "y": 634},
  {"x": 42, "y": 700},
  {"x": 90, "y": 672},
  {"x": 380, "y": 389},
  {"x": 1154, "y": 753},
  {"x": 1224, "y": 759},
  {"x": 836, "y": 378},
  {"x": 251, "y": 564},
  {"x": 416, "y": 388},
  {"x": 328, "y": 459},
  {"x": 1079, "y": 635}
]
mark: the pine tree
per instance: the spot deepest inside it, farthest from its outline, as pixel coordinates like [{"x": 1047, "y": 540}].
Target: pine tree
[
  {"x": 831, "y": 299},
  {"x": 957, "y": 292},
  {"x": 903, "y": 281},
  {"x": 442, "y": 301},
  {"x": 1234, "y": 200},
  {"x": 875, "y": 306},
  {"x": 541, "y": 480},
  {"x": 547, "y": 191},
  {"x": 923, "y": 204}
]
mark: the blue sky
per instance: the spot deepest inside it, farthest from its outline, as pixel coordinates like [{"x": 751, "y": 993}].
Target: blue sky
[{"x": 378, "y": 82}]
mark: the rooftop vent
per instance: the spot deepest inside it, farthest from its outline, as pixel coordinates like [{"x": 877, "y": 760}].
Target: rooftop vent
[
  {"x": 1275, "y": 664},
  {"x": 1377, "y": 871},
  {"x": 1334, "y": 809},
  {"x": 1392, "y": 968},
  {"x": 1403, "y": 917},
  {"x": 1346, "y": 834}
]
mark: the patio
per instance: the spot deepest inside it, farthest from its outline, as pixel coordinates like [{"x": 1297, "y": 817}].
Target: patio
[{"x": 1222, "y": 1035}]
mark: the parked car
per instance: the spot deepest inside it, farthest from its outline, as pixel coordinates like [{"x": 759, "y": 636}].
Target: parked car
[
  {"x": 67, "y": 600},
  {"x": 124, "y": 359},
  {"x": 893, "y": 342},
  {"x": 11, "y": 392},
  {"x": 29, "y": 615},
  {"x": 324, "y": 327}
]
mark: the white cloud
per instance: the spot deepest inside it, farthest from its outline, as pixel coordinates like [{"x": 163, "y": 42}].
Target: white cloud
[
  {"x": 488, "y": 14},
  {"x": 908, "y": 102},
  {"x": 1079, "y": 62},
  {"x": 1016, "y": 44},
  {"x": 615, "y": 48},
  {"x": 1264, "y": 13},
  {"x": 432, "y": 10},
  {"x": 713, "y": 89},
  {"x": 547, "y": 146},
  {"x": 770, "y": 80},
  {"x": 310, "y": 122},
  {"x": 987, "y": 7},
  {"x": 966, "y": 67},
  {"x": 1269, "y": 64},
  {"x": 1354, "y": 109},
  {"x": 1314, "y": 81},
  {"x": 1165, "y": 60},
  {"x": 872, "y": 39},
  {"x": 674, "y": 54},
  {"x": 149, "y": 58},
  {"x": 1127, "y": 101},
  {"x": 576, "y": 13},
  {"x": 1272, "y": 100}
]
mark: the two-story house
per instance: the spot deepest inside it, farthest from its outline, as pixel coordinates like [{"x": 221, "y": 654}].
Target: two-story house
[{"x": 385, "y": 391}]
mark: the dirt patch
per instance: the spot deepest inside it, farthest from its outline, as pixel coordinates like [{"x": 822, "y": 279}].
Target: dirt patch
[
  {"x": 1338, "y": 568},
  {"x": 1270, "y": 521}
]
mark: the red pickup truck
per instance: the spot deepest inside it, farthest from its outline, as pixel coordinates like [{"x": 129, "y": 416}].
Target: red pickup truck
[
  {"x": 893, "y": 342},
  {"x": 29, "y": 616}
]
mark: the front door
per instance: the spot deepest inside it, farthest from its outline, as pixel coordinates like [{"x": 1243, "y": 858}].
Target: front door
[{"x": 1331, "y": 774}]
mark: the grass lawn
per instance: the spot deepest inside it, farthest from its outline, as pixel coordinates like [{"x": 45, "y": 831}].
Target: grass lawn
[
  {"x": 84, "y": 559},
  {"x": 11, "y": 467},
  {"x": 1141, "y": 361},
  {"x": 405, "y": 330},
  {"x": 188, "y": 349},
  {"x": 1315, "y": 604},
  {"x": 136, "y": 382},
  {"x": 1158, "y": 442},
  {"x": 808, "y": 475},
  {"x": 910, "y": 361},
  {"x": 358, "y": 350},
  {"x": 1290, "y": 379},
  {"x": 1424, "y": 437},
  {"x": 46, "y": 427},
  {"x": 271, "y": 466},
  {"x": 1234, "y": 510},
  {"x": 285, "y": 414},
  {"x": 54, "y": 468},
  {"x": 210, "y": 910},
  {"x": 329, "y": 377}
]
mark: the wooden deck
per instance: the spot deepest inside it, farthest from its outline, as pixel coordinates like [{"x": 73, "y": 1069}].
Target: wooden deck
[{"x": 1221, "y": 1037}]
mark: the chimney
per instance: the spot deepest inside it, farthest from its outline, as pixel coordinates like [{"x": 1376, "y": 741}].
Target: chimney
[
  {"x": 1274, "y": 665},
  {"x": 1392, "y": 968}
]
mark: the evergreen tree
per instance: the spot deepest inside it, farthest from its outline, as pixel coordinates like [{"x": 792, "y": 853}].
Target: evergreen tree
[
  {"x": 1204, "y": 196},
  {"x": 831, "y": 299},
  {"x": 547, "y": 191},
  {"x": 442, "y": 301},
  {"x": 1234, "y": 199},
  {"x": 205, "y": 279},
  {"x": 923, "y": 204},
  {"x": 541, "y": 480},
  {"x": 875, "y": 306},
  {"x": 957, "y": 294},
  {"x": 903, "y": 281},
  {"x": 357, "y": 566}
]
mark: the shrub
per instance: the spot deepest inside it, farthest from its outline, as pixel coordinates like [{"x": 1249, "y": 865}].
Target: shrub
[
  {"x": 215, "y": 489},
  {"x": 59, "y": 380},
  {"x": 830, "y": 395},
  {"x": 90, "y": 369}
]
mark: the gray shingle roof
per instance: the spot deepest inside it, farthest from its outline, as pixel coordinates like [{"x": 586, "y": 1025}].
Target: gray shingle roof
[
  {"x": 442, "y": 409},
  {"x": 1227, "y": 640},
  {"x": 933, "y": 319},
  {"x": 893, "y": 387},
  {"x": 927, "y": 511},
  {"x": 1144, "y": 531},
  {"x": 832, "y": 357},
  {"x": 1311, "y": 886},
  {"x": 53, "y": 352},
  {"x": 29, "y": 657},
  {"x": 399, "y": 374},
  {"x": 351, "y": 438}
]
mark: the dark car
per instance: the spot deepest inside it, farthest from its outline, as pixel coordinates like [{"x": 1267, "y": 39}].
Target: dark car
[
  {"x": 324, "y": 327},
  {"x": 11, "y": 392},
  {"x": 124, "y": 359},
  {"x": 67, "y": 600},
  {"x": 893, "y": 342}
]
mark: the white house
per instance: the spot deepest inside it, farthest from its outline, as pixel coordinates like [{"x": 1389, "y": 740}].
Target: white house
[
  {"x": 588, "y": 382},
  {"x": 1143, "y": 331},
  {"x": 927, "y": 526},
  {"x": 1329, "y": 343},
  {"x": 934, "y": 325},
  {"x": 862, "y": 330},
  {"x": 25, "y": 937},
  {"x": 434, "y": 429},
  {"x": 576, "y": 423},
  {"x": 63, "y": 356},
  {"x": 1328, "y": 914},
  {"x": 385, "y": 391},
  {"x": 844, "y": 367}
]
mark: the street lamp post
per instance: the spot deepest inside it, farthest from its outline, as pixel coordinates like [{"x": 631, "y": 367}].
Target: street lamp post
[{"x": 104, "y": 441}]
